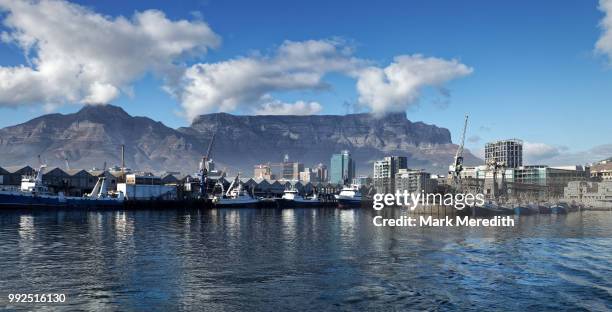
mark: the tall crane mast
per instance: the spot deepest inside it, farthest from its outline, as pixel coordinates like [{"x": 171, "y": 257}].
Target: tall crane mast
[
  {"x": 454, "y": 170},
  {"x": 203, "y": 169}
]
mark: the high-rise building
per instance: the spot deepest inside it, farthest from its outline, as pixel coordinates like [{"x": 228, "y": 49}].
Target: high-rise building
[
  {"x": 506, "y": 152},
  {"x": 263, "y": 172},
  {"x": 291, "y": 170},
  {"x": 308, "y": 175},
  {"x": 342, "y": 168},
  {"x": 321, "y": 173},
  {"x": 385, "y": 170},
  {"x": 413, "y": 181}
]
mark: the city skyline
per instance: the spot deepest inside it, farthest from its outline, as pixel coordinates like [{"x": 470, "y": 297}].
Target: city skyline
[{"x": 454, "y": 67}]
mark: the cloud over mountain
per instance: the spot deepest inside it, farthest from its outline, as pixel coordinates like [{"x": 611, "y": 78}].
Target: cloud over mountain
[
  {"x": 246, "y": 81},
  {"x": 79, "y": 56},
  {"x": 76, "y": 55},
  {"x": 395, "y": 87},
  {"x": 297, "y": 66},
  {"x": 281, "y": 108}
]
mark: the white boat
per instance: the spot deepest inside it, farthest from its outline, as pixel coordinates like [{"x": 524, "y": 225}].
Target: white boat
[
  {"x": 235, "y": 197},
  {"x": 292, "y": 199},
  {"x": 350, "y": 197}
]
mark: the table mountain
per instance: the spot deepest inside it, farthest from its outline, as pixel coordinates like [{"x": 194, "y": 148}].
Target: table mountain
[{"x": 93, "y": 135}]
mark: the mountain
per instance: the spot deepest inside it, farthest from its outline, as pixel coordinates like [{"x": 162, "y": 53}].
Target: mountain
[{"x": 93, "y": 135}]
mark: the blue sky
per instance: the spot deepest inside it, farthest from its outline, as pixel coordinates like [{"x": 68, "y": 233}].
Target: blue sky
[{"x": 535, "y": 74}]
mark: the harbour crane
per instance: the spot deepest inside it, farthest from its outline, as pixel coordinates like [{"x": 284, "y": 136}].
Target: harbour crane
[
  {"x": 204, "y": 167},
  {"x": 454, "y": 170}
]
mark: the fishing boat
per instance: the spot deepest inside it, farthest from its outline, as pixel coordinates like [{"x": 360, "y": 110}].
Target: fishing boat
[
  {"x": 525, "y": 210},
  {"x": 292, "y": 199},
  {"x": 544, "y": 209},
  {"x": 235, "y": 197},
  {"x": 33, "y": 193},
  {"x": 560, "y": 208},
  {"x": 490, "y": 210},
  {"x": 350, "y": 197}
]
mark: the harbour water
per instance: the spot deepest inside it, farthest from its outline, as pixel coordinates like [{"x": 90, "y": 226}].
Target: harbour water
[{"x": 302, "y": 259}]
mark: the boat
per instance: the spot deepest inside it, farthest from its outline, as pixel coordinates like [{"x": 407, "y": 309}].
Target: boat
[
  {"x": 560, "y": 208},
  {"x": 349, "y": 197},
  {"x": 544, "y": 209},
  {"x": 235, "y": 197},
  {"x": 525, "y": 210},
  {"x": 292, "y": 199},
  {"x": 491, "y": 210},
  {"x": 33, "y": 193}
]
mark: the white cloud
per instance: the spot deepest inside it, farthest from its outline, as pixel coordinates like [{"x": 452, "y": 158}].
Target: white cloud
[
  {"x": 76, "y": 55},
  {"x": 604, "y": 44},
  {"x": 535, "y": 153},
  {"x": 399, "y": 85},
  {"x": 280, "y": 108},
  {"x": 79, "y": 56},
  {"x": 233, "y": 84}
]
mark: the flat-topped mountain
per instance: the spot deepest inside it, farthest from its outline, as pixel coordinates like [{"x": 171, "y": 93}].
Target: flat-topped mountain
[{"x": 93, "y": 135}]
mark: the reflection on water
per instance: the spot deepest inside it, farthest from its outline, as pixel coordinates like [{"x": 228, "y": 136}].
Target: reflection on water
[{"x": 312, "y": 259}]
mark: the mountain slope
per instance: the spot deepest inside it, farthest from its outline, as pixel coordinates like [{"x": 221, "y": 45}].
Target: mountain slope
[{"x": 93, "y": 135}]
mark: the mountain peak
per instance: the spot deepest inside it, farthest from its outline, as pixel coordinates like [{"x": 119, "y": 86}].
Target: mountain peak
[
  {"x": 103, "y": 109},
  {"x": 102, "y": 113}
]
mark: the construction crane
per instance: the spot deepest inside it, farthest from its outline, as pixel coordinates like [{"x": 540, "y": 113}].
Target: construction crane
[
  {"x": 67, "y": 164},
  {"x": 204, "y": 167},
  {"x": 454, "y": 170}
]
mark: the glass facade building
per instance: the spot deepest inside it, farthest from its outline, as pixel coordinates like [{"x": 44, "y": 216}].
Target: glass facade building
[{"x": 342, "y": 168}]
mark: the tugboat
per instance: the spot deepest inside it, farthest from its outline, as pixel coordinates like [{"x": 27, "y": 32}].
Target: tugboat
[
  {"x": 349, "y": 197},
  {"x": 292, "y": 199},
  {"x": 235, "y": 197},
  {"x": 33, "y": 193}
]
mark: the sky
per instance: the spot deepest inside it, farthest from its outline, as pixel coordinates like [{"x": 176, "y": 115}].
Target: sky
[{"x": 539, "y": 71}]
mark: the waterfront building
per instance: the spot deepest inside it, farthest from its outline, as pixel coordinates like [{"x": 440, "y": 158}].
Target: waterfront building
[
  {"x": 291, "y": 170},
  {"x": 594, "y": 194},
  {"x": 146, "y": 186},
  {"x": 602, "y": 171},
  {"x": 362, "y": 181},
  {"x": 385, "y": 171},
  {"x": 14, "y": 173},
  {"x": 413, "y": 181},
  {"x": 307, "y": 175},
  {"x": 539, "y": 181},
  {"x": 506, "y": 152},
  {"x": 342, "y": 168},
  {"x": 263, "y": 172}
]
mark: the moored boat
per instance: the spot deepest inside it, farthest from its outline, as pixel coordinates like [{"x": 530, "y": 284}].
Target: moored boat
[
  {"x": 350, "y": 197},
  {"x": 235, "y": 197},
  {"x": 33, "y": 193},
  {"x": 559, "y": 209},
  {"x": 525, "y": 210},
  {"x": 292, "y": 199}
]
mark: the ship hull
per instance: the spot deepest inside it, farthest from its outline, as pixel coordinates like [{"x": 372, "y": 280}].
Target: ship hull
[
  {"x": 288, "y": 203},
  {"x": 236, "y": 204},
  {"x": 18, "y": 200},
  {"x": 352, "y": 203}
]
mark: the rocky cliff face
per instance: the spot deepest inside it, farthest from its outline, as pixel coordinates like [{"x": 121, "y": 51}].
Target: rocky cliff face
[{"x": 93, "y": 135}]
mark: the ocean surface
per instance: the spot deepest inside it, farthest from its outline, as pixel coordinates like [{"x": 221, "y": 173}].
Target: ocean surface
[{"x": 302, "y": 259}]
